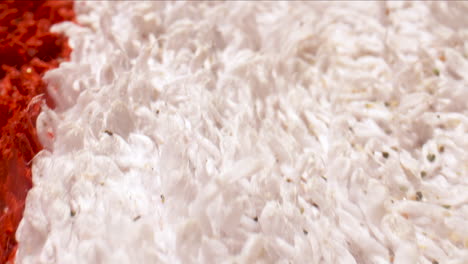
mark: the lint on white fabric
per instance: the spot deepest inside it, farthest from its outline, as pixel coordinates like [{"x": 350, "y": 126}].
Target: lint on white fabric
[{"x": 255, "y": 132}]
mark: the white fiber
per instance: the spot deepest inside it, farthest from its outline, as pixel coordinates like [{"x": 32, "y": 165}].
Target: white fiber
[{"x": 255, "y": 132}]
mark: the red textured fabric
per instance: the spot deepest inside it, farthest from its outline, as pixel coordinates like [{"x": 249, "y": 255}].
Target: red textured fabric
[{"x": 27, "y": 50}]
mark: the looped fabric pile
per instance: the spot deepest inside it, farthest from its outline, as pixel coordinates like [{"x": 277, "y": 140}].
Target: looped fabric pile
[{"x": 254, "y": 132}]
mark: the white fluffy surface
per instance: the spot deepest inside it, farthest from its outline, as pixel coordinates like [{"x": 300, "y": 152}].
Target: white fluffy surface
[{"x": 255, "y": 132}]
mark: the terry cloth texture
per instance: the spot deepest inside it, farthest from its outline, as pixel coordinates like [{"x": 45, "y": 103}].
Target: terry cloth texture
[{"x": 255, "y": 132}]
